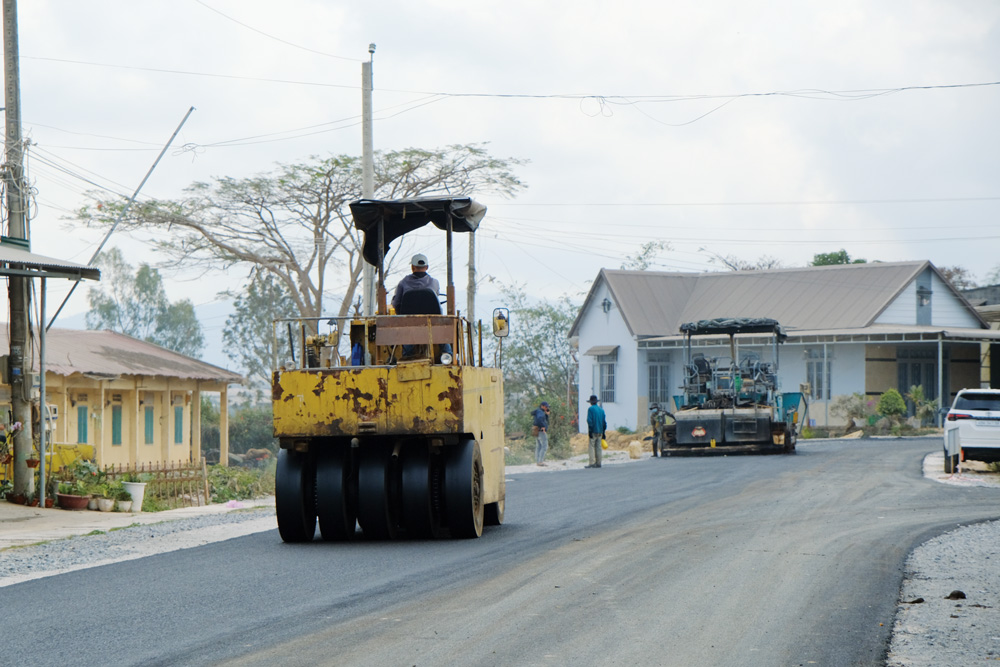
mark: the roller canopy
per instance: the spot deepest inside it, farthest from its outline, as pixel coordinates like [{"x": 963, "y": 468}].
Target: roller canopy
[
  {"x": 401, "y": 216},
  {"x": 734, "y": 325}
]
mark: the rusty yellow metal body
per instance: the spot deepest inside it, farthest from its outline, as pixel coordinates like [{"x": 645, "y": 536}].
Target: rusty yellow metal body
[
  {"x": 413, "y": 398},
  {"x": 390, "y": 422},
  {"x": 405, "y": 432}
]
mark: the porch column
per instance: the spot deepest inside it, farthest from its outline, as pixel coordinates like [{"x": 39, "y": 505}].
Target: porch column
[
  {"x": 166, "y": 423},
  {"x": 196, "y": 423},
  {"x": 99, "y": 432},
  {"x": 136, "y": 410},
  {"x": 63, "y": 422},
  {"x": 940, "y": 380},
  {"x": 224, "y": 425}
]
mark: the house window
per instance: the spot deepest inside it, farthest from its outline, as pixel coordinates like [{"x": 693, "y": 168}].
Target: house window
[
  {"x": 149, "y": 424},
  {"x": 178, "y": 425},
  {"x": 116, "y": 424},
  {"x": 659, "y": 377},
  {"x": 606, "y": 376},
  {"x": 81, "y": 424},
  {"x": 818, "y": 369}
]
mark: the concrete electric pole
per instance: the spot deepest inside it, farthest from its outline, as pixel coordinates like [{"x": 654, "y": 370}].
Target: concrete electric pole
[
  {"x": 13, "y": 176},
  {"x": 367, "y": 172}
]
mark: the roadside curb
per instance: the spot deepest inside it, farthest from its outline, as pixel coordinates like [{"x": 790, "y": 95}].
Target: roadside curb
[{"x": 21, "y": 525}]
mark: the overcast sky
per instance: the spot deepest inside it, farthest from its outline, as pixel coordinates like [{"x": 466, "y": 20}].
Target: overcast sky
[{"x": 730, "y": 127}]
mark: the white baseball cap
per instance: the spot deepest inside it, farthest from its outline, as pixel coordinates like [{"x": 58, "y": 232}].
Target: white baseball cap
[{"x": 419, "y": 261}]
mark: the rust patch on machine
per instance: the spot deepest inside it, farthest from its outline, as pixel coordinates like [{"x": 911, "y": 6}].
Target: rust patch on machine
[
  {"x": 276, "y": 386},
  {"x": 319, "y": 385},
  {"x": 453, "y": 396}
]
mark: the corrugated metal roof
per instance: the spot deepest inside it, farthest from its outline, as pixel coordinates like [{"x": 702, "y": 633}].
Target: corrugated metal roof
[
  {"x": 107, "y": 353},
  {"x": 11, "y": 255},
  {"x": 820, "y": 297},
  {"x": 600, "y": 350},
  {"x": 873, "y": 332}
]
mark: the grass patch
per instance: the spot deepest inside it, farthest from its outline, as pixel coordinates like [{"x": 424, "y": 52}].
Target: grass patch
[
  {"x": 131, "y": 525},
  {"x": 519, "y": 452}
]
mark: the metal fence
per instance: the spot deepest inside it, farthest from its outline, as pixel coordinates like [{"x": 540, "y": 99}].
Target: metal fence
[{"x": 180, "y": 483}]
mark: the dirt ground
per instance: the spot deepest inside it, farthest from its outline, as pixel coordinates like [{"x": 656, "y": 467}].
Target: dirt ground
[{"x": 617, "y": 441}]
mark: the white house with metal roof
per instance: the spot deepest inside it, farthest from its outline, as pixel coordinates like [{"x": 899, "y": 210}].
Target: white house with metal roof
[{"x": 854, "y": 328}]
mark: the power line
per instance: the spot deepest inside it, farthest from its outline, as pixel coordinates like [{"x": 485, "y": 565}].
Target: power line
[
  {"x": 803, "y": 202},
  {"x": 277, "y": 39},
  {"x": 630, "y": 100},
  {"x": 187, "y": 73}
]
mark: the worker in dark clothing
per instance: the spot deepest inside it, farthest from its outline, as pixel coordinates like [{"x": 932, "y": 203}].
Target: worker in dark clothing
[
  {"x": 418, "y": 279},
  {"x": 541, "y": 430}
]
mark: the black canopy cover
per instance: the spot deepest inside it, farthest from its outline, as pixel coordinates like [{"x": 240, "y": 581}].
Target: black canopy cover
[
  {"x": 734, "y": 325},
  {"x": 401, "y": 216}
]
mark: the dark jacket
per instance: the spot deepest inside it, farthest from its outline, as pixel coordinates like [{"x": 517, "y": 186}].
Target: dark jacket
[
  {"x": 541, "y": 419},
  {"x": 419, "y": 280}
]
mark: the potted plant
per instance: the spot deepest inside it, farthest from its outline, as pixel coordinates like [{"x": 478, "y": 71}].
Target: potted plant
[
  {"x": 70, "y": 496},
  {"x": 103, "y": 499},
  {"x": 136, "y": 489},
  {"x": 123, "y": 501}
]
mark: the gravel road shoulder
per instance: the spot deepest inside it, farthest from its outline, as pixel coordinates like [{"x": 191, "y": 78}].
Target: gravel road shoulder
[
  {"x": 949, "y": 605},
  {"x": 136, "y": 541}
]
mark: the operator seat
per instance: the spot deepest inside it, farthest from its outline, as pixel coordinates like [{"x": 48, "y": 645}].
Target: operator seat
[{"x": 419, "y": 302}]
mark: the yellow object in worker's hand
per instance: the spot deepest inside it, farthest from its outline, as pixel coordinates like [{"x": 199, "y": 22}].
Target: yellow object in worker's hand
[{"x": 604, "y": 443}]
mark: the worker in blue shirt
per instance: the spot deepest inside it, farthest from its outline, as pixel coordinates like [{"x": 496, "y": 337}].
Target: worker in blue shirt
[{"x": 596, "y": 426}]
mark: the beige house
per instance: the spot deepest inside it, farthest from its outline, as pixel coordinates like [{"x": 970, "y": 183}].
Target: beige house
[{"x": 132, "y": 401}]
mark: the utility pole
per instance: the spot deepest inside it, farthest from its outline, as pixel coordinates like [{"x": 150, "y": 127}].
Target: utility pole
[
  {"x": 13, "y": 173},
  {"x": 367, "y": 172},
  {"x": 470, "y": 312}
]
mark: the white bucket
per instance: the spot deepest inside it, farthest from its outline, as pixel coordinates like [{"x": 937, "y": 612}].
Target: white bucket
[{"x": 137, "y": 490}]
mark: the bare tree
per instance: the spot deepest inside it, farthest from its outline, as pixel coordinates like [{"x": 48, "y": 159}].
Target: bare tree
[
  {"x": 648, "y": 252},
  {"x": 294, "y": 223},
  {"x": 734, "y": 263},
  {"x": 959, "y": 277}
]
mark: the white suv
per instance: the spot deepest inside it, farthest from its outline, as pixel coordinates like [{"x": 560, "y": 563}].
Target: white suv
[{"x": 975, "y": 415}]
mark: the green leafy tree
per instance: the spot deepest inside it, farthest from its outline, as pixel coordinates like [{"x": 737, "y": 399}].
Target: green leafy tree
[
  {"x": 251, "y": 426},
  {"x": 248, "y": 334},
  {"x": 135, "y": 303},
  {"x": 294, "y": 224},
  {"x": 539, "y": 366},
  {"x": 836, "y": 257},
  {"x": 209, "y": 424}
]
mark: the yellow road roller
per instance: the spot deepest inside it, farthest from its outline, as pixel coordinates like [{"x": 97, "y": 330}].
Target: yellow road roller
[{"x": 391, "y": 422}]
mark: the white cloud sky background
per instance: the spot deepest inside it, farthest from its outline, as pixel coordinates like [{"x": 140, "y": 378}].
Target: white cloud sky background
[{"x": 604, "y": 176}]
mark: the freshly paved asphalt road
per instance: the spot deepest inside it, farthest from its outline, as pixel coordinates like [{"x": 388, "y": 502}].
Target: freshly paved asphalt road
[{"x": 779, "y": 560}]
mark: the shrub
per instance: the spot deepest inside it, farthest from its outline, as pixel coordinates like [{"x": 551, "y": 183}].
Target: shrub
[
  {"x": 520, "y": 451},
  {"x": 562, "y": 424},
  {"x": 235, "y": 483},
  {"x": 851, "y": 408},
  {"x": 924, "y": 410},
  {"x": 891, "y": 405}
]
